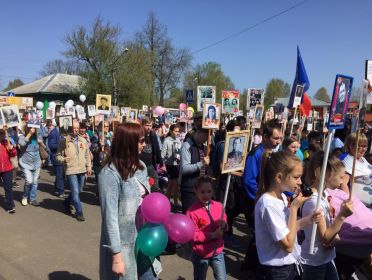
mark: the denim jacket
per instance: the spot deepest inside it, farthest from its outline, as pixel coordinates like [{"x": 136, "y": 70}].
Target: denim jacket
[
  {"x": 120, "y": 200},
  {"x": 29, "y": 157}
]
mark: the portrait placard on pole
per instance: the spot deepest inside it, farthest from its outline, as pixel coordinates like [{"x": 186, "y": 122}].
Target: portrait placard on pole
[
  {"x": 205, "y": 94},
  {"x": 340, "y": 101}
]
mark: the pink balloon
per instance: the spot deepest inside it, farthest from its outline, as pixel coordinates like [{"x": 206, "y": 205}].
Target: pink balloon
[
  {"x": 155, "y": 208},
  {"x": 159, "y": 111},
  {"x": 183, "y": 107},
  {"x": 180, "y": 228}
]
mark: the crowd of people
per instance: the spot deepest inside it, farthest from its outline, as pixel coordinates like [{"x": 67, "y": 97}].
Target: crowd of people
[{"x": 277, "y": 192}]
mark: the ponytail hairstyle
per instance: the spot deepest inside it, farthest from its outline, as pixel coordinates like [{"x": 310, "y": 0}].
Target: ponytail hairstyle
[
  {"x": 316, "y": 162},
  {"x": 272, "y": 164}
]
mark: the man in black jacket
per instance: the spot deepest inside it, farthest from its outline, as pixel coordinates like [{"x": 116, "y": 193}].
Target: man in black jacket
[{"x": 151, "y": 154}]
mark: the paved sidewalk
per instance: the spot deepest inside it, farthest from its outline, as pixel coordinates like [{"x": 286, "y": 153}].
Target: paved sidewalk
[{"x": 44, "y": 243}]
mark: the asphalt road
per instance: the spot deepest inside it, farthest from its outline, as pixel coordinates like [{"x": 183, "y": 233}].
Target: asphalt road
[{"x": 44, "y": 243}]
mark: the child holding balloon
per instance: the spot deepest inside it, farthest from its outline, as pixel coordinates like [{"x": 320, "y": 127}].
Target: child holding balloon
[
  {"x": 207, "y": 243},
  {"x": 320, "y": 265}
]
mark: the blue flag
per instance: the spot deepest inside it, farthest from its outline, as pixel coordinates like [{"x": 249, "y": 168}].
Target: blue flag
[{"x": 300, "y": 79}]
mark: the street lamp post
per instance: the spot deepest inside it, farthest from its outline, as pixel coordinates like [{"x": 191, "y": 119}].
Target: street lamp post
[{"x": 113, "y": 73}]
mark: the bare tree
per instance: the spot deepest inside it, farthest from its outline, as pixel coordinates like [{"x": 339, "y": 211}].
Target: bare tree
[
  {"x": 167, "y": 62},
  {"x": 61, "y": 66}
]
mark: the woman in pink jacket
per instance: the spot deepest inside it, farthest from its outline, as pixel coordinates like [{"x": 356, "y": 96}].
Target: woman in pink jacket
[
  {"x": 6, "y": 169},
  {"x": 207, "y": 243}
]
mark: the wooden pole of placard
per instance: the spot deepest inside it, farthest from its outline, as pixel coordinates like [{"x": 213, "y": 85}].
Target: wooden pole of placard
[
  {"x": 226, "y": 193},
  {"x": 103, "y": 132},
  {"x": 354, "y": 163},
  {"x": 321, "y": 188},
  {"x": 209, "y": 141},
  {"x": 252, "y": 139},
  {"x": 293, "y": 120}
]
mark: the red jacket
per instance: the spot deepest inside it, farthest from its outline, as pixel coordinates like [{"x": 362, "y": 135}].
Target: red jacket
[
  {"x": 5, "y": 164},
  {"x": 202, "y": 244}
]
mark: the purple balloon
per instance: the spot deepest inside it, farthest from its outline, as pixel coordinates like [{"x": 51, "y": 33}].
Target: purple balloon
[
  {"x": 180, "y": 228},
  {"x": 155, "y": 208}
]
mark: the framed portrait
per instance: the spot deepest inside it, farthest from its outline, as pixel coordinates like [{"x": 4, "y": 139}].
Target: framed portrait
[
  {"x": 91, "y": 110},
  {"x": 71, "y": 111},
  {"x": 50, "y": 113},
  {"x": 133, "y": 113},
  {"x": 103, "y": 104},
  {"x": 80, "y": 112},
  {"x": 205, "y": 94},
  {"x": 230, "y": 101},
  {"x": 34, "y": 119},
  {"x": 168, "y": 118},
  {"x": 235, "y": 151},
  {"x": 11, "y": 115},
  {"x": 340, "y": 101},
  {"x": 62, "y": 111},
  {"x": 211, "y": 115},
  {"x": 65, "y": 124},
  {"x": 258, "y": 114},
  {"x": 183, "y": 115},
  {"x": 255, "y": 97},
  {"x": 115, "y": 111},
  {"x": 145, "y": 108},
  {"x": 363, "y": 104},
  {"x": 368, "y": 77},
  {"x": 124, "y": 111},
  {"x": 298, "y": 95}
]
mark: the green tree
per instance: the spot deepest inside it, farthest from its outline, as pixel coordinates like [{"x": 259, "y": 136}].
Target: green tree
[
  {"x": 168, "y": 63},
  {"x": 275, "y": 88},
  {"x": 243, "y": 100},
  {"x": 208, "y": 74},
  {"x": 134, "y": 79},
  {"x": 95, "y": 49},
  {"x": 13, "y": 84},
  {"x": 322, "y": 95}
]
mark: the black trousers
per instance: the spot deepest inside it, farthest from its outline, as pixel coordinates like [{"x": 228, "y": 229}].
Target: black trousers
[{"x": 8, "y": 187}]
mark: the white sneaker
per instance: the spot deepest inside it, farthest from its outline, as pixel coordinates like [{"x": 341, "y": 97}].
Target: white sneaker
[{"x": 24, "y": 201}]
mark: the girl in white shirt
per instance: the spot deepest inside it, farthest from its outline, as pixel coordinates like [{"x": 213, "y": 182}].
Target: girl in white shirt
[
  {"x": 320, "y": 264},
  {"x": 276, "y": 223}
]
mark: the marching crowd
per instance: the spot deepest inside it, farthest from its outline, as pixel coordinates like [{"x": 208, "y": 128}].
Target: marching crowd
[{"x": 277, "y": 192}]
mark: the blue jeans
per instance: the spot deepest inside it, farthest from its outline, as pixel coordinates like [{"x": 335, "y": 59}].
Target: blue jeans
[
  {"x": 285, "y": 272},
  {"x": 326, "y": 271},
  {"x": 201, "y": 267},
  {"x": 60, "y": 178},
  {"x": 31, "y": 181},
  {"x": 76, "y": 182}
]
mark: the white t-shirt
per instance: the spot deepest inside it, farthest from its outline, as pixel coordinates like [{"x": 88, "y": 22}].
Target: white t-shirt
[
  {"x": 322, "y": 255},
  {"x": 271, "y": 219},
  {"x": 362, "y": 187}
]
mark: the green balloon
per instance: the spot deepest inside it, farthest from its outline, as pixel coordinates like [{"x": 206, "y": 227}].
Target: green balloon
[{"x": 152, "y": 239}]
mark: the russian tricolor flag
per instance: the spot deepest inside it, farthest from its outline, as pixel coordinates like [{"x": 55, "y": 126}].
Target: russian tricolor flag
[{"x": 301, "y": 79}]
